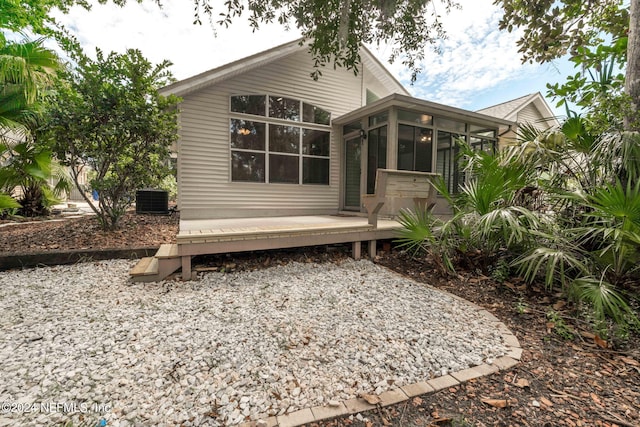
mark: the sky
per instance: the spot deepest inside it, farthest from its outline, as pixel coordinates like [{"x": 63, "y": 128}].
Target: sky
[{"x": 479, "y": 65}]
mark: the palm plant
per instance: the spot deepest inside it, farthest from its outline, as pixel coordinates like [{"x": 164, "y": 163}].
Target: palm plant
[
  {"x": 592, "y": 249},
  {"x": 490, "y": 219},
  {"x": 491, "y": 211},
  {"x": 25, "y": 68},
  {"x": 26, "y": 174}
]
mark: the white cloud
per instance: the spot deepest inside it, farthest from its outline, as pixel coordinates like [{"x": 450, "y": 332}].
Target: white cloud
[
  {"x": 477, "y": 58},
  {"x": 169, "y": 33}
]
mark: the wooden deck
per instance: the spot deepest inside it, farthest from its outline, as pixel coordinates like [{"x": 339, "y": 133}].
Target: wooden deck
[{"x": 214, "y": 236}]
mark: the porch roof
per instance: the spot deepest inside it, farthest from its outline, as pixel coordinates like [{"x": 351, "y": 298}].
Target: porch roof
[{"x": 411, "y": 103}]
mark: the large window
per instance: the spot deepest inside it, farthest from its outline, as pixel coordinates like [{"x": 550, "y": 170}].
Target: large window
[{"x": 272, "y": 148}]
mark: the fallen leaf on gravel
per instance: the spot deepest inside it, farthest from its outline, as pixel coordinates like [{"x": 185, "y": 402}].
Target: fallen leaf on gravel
[
  {"x": 496, "y": 403},
  {"x": 371, "y": 399},
  {"x": 417, "y": 401},
  {"x": 630, "y": 361},
  {"x": 559, "y": 305},
  {"x": 587, "y": 335},
  {"x": 522, "y": 383},
  {"x": 600, "y": 342},
  {"x": 546, "y": 402}
]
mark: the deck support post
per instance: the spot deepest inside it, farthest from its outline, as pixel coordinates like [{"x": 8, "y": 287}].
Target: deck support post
[
  {"x": 372, "y": 248},
  {"x": 186, "y": 267},
  {"x": 356, "y": 250}
]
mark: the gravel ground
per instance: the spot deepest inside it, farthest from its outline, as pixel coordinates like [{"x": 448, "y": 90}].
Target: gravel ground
[{"x": 81, "y": 342}]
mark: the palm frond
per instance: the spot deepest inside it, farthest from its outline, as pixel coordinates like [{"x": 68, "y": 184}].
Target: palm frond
[
  {"x": 603, "y": 297},
  {"x": 416, "y": 233},
  {"x": 554, "y": 263}
]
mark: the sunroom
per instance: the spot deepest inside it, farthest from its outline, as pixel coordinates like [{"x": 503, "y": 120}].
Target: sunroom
[{"x": 399, "y": 132}]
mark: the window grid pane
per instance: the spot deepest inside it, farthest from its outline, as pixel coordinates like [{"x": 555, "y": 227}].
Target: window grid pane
[
  {"x": 284, "y": 139},
  {"x": 247, "y": 166},
  {"x": 313, "y": 114},
  {"x": 316, "y": 142},
  {"x": 284, "y": 169},
  {"x": 284, "y": 108},
  {"x": 248, "y": 135},
  {"x": 315, "y": 170},
  {"x": 249, "y": 104}
]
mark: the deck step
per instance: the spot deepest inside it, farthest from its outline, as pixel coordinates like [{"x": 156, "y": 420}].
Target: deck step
[
  {"x": 147, "y": 266},
  {"x": 167, "y": 250}
]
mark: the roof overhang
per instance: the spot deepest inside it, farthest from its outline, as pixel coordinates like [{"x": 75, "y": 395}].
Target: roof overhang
[
  {"x": 211, "y": 77},
  {"x": 416, "y": 104},
  {"x": 233, "y": 69}
]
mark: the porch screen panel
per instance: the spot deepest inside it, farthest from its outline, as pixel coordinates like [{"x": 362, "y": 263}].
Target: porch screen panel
[
  {"x": 376, "y": 155},
  {"x": 447, "y": 162},
  {"x": 423, "y": 146},
  {"x": 405, "y": 147},
  {"x": 414, "y": 148},
  {"x": 352, "y": 172}
]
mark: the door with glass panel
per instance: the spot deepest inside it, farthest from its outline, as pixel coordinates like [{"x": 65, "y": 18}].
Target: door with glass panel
[{"x": 353, "y": 168}]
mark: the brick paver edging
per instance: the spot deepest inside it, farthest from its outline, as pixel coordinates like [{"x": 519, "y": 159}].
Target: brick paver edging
[{"x": 391, "y": 397}]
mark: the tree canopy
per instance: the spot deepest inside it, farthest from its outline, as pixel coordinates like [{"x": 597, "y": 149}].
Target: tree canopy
[
  {"x": 593, "y": 33},
  {"x": 336, "y": 29},
  {"x": 108, "y": 115}
]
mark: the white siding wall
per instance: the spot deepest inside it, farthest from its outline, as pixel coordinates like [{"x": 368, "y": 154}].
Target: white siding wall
[
  {"x": 374, "y": 85},
  {"x": 531, "y": 115},
  {"x": 206, "y": 190}
]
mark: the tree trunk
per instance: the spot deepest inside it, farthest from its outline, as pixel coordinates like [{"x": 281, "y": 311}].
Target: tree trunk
[{"x": 632, "y": 82}]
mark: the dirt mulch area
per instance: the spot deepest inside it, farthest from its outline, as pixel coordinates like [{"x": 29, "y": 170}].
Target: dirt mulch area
[
  {"x": 84, "y": 233},
  {"x": 567, "y": 376}
]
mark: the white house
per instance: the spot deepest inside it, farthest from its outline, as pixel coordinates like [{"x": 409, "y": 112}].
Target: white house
[
  {"x": 269, "y": 158},
  {"x": 259, "y": 137}
]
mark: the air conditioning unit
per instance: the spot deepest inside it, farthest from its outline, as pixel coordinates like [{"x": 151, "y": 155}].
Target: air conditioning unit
[{"x": 151, "y": 201}]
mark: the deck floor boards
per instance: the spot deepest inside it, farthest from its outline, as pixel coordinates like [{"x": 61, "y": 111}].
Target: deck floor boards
[{"x": 251, "y": 233}]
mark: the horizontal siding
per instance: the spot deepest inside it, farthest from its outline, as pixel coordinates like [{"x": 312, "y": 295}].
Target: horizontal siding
[
  {"x": 532, "y": 116},
  {"x": 204, "y": 176}
]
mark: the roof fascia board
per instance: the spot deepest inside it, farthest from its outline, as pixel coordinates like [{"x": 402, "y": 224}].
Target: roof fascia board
[
  {"x": 404, "y": 101},
  {"x": 546, "y": 111},
  {"x": 377, "y": 63}
]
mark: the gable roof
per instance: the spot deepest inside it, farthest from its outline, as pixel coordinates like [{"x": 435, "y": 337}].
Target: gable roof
[
  {"x": 509, "y": 109},
  {"x": 224, "y": 72}
]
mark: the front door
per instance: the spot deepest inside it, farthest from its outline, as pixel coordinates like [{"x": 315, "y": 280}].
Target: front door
[{"x": 352, "y": 155}]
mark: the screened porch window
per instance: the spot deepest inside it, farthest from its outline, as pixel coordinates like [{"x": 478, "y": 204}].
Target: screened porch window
[
  {"x": 414, "y": 148},
  {"x": 376, "y": 155},
  {"x": 447, "y": 162}
]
